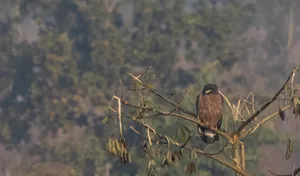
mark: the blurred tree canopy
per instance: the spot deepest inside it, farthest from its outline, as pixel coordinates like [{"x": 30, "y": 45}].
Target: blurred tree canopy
[{"x": 54, "y": 91}]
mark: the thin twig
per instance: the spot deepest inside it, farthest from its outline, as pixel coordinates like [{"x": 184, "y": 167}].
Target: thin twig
[
  {"x": 253, "y": 106},
  {"x": 293, "y": 80},
  {"x": 226, "y": 99},
  {"x": 295, "y": 172},
  {"x": 149, "y": 137},
  {"x": 242, "y": 146},
  {"x": 119, "y": 115}
]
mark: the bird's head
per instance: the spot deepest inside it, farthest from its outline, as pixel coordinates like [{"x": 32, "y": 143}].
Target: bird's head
[{"x": 210, "y": 89}]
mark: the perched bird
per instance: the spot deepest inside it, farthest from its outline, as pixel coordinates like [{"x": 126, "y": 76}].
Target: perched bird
[{"x": 209, "y": 107}]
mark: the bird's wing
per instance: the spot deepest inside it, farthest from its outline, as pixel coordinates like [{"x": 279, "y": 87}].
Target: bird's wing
[
  {"x": 210, "y": 109},
  {"x": 197, "y": 105}
]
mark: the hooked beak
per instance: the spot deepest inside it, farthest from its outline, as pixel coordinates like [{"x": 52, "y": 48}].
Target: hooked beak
[{"x": 207, "y": 91}]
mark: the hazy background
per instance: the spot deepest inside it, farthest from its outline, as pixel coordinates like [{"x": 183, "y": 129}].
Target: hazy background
[{"x": 62, "y": 60}]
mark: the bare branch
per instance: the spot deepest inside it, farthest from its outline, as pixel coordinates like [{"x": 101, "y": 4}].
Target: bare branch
[
  {"x": 243, "y": 125},
  {"x": 161, "y": 96},
  {"x": 119, "y": 115},
  {"x": 149, "y": 137},
  {"x": 242, "y": 146},
  {"x": 225, "y": 98}
]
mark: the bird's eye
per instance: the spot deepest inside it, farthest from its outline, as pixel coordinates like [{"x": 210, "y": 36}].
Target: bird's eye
[{"x": 207, "y": 91}]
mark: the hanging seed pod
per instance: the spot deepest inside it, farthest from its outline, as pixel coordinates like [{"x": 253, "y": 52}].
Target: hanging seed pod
[
  {"x": 296, "y": 106},
  {"x": 155, "y": 150},
  {"x": 125, "y": 158},
  {"x": 168, "y": 158},
  {"x": 123, "y": 144},
  {"x": 146, "y": 151},
  {"x": 151, "y": 151},
  {"x": 111, "y": 145},
  {"x": 297, "y": 110},
  {"x": 177, "y": 155},
  {"x": 281, "y": 114},
  {"x": 145, "y": 147},
  {"x": 152, "y": 172},
  {"x": 151, "y": 164},
  {"x": 193, "y": 155},
  {"x": 123, "y": 152},
  {"x": 118, "y": 147},
  {"x": 190, "y": 168},
  {"x": 289, "y": 149},
  {"x": 151, "y": 168}
]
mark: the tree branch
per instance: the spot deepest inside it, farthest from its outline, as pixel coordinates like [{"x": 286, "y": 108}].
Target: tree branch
[
  {"x": 194, "y": 120},
  {"x": 244, "y": 124},
  {"x": 264, "y": 120},
  {"x": 119, "y": 114},
  {"x": 161, "y": 96}
]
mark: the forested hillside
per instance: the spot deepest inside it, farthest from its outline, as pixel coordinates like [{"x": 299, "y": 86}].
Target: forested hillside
[{"x": 61, "y": 62}]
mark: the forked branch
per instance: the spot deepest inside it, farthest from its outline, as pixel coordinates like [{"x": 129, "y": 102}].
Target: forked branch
[{"x": 252, "y": 117}]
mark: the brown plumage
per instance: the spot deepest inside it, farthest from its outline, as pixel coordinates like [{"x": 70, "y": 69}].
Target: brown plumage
[{"x": 209, "y": 107}]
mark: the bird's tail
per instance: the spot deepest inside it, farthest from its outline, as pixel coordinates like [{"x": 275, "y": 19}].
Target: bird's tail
[{"x": 207, "y": 135}]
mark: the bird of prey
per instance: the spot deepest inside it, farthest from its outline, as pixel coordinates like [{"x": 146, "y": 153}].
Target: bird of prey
[{"x": 209, "y": 107}]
